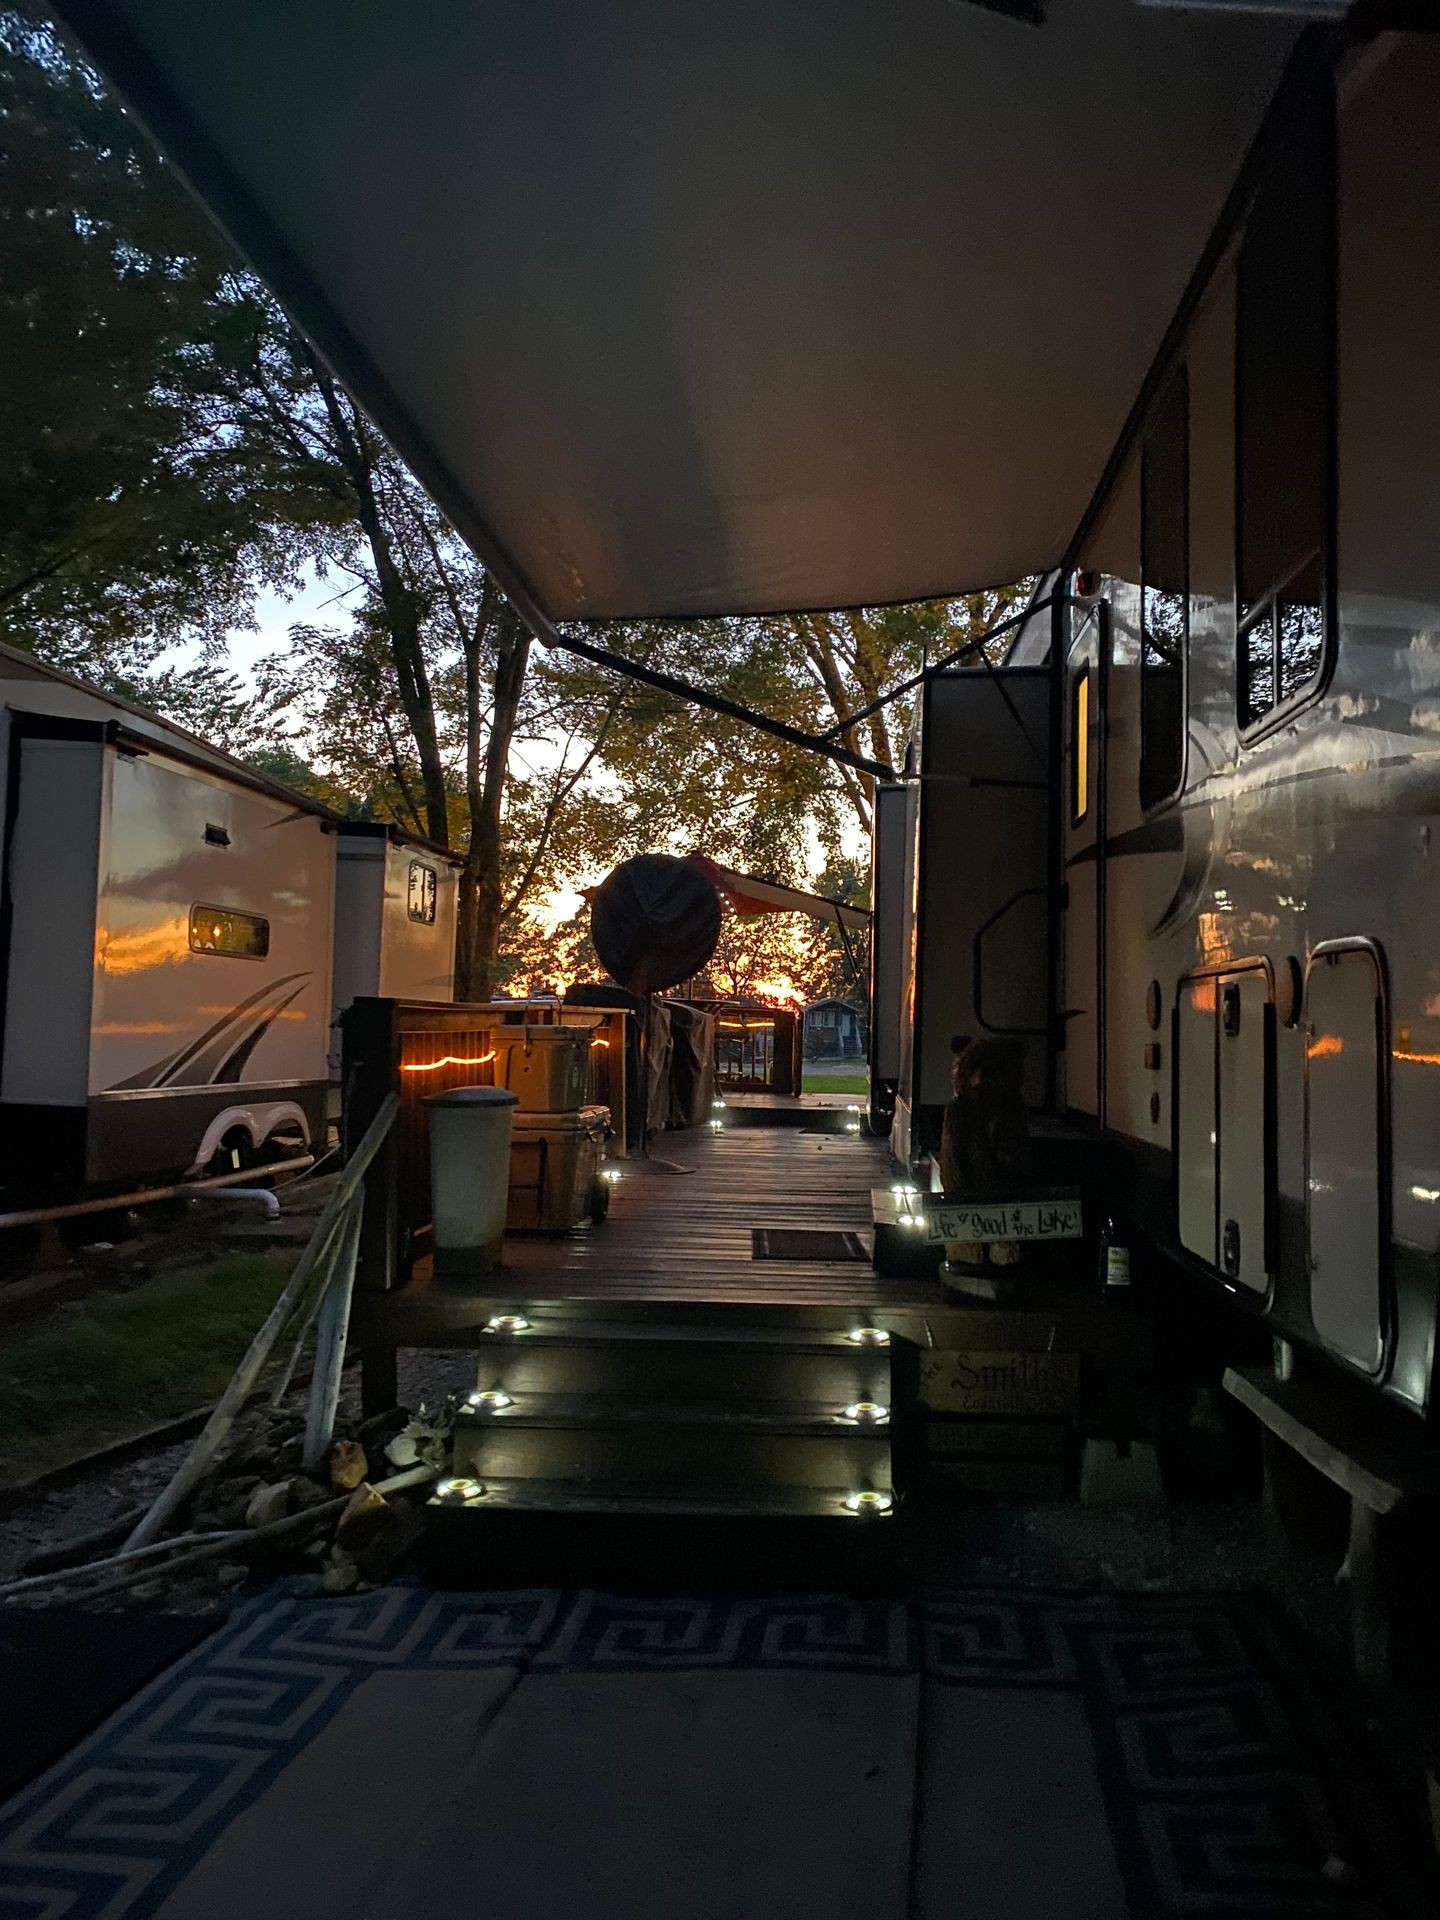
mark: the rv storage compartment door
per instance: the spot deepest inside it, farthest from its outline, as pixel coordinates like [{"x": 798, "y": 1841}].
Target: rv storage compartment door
[
  {"x": 1344, "y": 1151},
  {"x": 982, "y": 960},
  {"x": 1197, "y": 1128},
  {"x": 890, "y": 833},
  {"x": 1244, "y": 1046}
]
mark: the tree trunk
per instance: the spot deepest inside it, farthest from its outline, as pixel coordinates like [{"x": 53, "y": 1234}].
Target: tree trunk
[
  {"x": 481, "y": 898},
  {"x": 402, "y": 615}
]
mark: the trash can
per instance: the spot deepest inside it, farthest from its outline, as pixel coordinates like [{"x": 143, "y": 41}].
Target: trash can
[{"x": 469, "y": 1176}]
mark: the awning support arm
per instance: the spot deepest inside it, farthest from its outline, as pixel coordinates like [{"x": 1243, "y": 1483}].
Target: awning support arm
[{"x": 715, "y": 702}]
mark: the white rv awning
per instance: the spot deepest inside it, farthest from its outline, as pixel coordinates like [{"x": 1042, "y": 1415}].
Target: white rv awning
[{"x": 712, "y": 306}]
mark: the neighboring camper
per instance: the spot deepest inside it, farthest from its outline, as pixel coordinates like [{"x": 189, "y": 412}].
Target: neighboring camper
[
  {"x": 395, "y": 907},
  {"x": 170, "y": 963},
  {"x": 166, "y": 947}
]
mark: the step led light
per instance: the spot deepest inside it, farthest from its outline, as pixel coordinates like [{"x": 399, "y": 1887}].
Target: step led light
[
  {"x": 869, "y": 1413},
  {"x": 458, "y": 1489},
  {"x": 868, "y": 1337},
  {"x": 490, "y": 1400},
  {"x": 869, "y": 1502},
  {"x": 507, "y": 1323},
  {"x": 612, "y": 1174},
  {"x": 852, "y": 1126},
  {"x": 912, "y": 1219}
]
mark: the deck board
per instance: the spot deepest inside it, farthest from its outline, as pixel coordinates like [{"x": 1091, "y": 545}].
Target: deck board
[{"x": 685, "y": 1236}]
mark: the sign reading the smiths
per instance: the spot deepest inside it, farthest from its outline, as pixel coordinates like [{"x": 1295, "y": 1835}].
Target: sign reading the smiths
[
  {"x": 1003, "y": 1220},
  {"x": 1009, "y": 1383}
]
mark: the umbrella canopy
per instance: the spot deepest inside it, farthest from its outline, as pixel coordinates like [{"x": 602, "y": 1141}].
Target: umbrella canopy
[{"x": 693, "y": 308}]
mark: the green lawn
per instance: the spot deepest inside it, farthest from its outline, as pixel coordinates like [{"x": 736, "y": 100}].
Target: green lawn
[
  {"x": 835, "y": 1083},
  {"x": 114, "y": 1363}
]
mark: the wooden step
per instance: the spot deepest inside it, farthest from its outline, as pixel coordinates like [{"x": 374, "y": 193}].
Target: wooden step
[
  {"x": 646, "y": 1538},
  {"x": 687, "y": 1451}
]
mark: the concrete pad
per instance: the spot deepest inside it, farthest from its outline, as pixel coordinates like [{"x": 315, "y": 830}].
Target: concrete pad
[{"x": 1011, "y": 1817}]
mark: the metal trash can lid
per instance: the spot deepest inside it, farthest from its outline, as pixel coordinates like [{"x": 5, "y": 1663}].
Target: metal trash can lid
[{"x": 473, "y": 1097}]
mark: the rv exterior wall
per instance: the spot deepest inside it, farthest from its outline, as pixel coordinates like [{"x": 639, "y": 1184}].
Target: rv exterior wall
[
  {"x": 417, "y": 944},
  {"x": 1303, "y": 837},
  {"x": 360, "y": 872},
  {"x": 55, "y": 856}
]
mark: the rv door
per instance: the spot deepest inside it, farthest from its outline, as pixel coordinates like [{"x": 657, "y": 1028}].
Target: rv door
[{"x": 1082, "y": 798}]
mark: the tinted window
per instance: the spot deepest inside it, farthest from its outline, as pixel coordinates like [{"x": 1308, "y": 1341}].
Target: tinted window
[
  {"x": 1284, "y": 382},
  {"x": 223, "y": 930},
  {"x": 1164, "y": 596},
  {"x": 1080, "y": 744},
  {"x": 421, "y": 898}
]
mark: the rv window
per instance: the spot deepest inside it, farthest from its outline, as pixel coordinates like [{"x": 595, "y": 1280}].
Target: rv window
[
  {"x": 1164, "y": 597},
  {"x": 1080, "y": 745},
  {"x": 222, "y": 930},
  {"x": 423, "y": 885},
  {"x": 1284, "y": 386}
]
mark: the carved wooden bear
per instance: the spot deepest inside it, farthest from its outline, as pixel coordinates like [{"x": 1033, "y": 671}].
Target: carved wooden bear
[{"x": 985, "y": 1141}]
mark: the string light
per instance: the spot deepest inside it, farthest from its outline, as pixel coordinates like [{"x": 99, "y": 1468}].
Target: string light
[{"x": 450, "y": 1060}]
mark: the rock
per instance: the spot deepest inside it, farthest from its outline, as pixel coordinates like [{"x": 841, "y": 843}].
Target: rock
[
  {"x": 341, "y": 1574},
  {"x": 229, "y": 1574},
  {"x": 304, "y": 1494},
  {"x": 379, "y": 1557},
  {"x": 364, "y": 1517},
  {"x": 267, "y": 1504},
  {"x": 348, "y": 1465}
]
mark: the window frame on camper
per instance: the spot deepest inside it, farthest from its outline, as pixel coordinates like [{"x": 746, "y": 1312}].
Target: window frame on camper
[
  {"x": 1286, "y": 335},
  {"x": 1082, "y": 707},
  {"x": 1166, "y": 445},
  {"x": 256, "y": 924}
]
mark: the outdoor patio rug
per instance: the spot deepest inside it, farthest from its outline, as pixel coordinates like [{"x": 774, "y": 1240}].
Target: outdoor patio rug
[
  {"x": 807, "y": 1243},
  {"x": 63, "y": 1671},
  {"x": 544, "y": 1755}
]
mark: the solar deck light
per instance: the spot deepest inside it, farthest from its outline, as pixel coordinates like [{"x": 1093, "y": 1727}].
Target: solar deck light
[
  {"x": 869, "y": 1502},
  {"x": 457, "y": 1491},
  {"x": 507, "y": 1323},
  {"x": 912, "y": 1219},
  {"x": 868, "y": 1337},
  {"x": 852, "y": 1126},
  {"x": 490, "y": 1400},
  {"x": 867, "y": 1413},
  {"x": 612, "y": 1174},
  {"x": 716, "y": 1126}
]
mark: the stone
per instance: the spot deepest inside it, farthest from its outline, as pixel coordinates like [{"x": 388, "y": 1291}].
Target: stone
[
  {"x": 230, "y": 1574},
  {"x": 364, "y": 1518},
  {"x": 341, "y": 1574},
  {"x": 267, "y": 1504},
  {"x": 305, "y": 1494},
  {"x": 379, "y": 1557},
  {"x": 348, "y": 1465}
]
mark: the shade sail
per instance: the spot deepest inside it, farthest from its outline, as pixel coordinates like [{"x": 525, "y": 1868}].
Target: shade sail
[{"x": 687, "y": 308}]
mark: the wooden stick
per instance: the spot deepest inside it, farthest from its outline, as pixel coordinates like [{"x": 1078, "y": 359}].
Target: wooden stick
[
  {"x": 212, "y": 1436},
  {"x": 334, "y": 1326}
]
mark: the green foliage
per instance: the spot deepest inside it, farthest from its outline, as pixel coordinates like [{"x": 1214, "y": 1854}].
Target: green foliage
[{"x": 136, "y": 504}]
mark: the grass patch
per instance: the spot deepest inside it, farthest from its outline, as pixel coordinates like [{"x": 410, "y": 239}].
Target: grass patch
[
  {"x": 107, "y": 1366},
  {"x": 822, "y": 1082}
]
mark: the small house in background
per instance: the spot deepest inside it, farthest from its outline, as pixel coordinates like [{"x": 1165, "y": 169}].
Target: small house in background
[{"x": 833, "y": 1030}]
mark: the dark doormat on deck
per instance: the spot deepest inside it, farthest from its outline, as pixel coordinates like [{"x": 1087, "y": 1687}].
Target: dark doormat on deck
[
  {"x": 63, "y": 1670},
  {"x": 806, "y": 1243},
  {"x": 1010, "y": 1755}
]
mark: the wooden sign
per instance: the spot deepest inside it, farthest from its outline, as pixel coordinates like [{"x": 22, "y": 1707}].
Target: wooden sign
[
  {"x": 1002, "y": 1220},
  {"x": 1006, "y": 1383}
]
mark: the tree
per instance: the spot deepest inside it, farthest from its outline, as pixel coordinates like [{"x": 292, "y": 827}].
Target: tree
[{"x": 129, "y": 513}]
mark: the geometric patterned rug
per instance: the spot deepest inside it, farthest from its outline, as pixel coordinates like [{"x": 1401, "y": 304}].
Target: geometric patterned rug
[{"x": 527, "y": 1754}]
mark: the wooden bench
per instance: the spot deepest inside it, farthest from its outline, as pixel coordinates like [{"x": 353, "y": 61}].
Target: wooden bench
[{"x": 1387, "y": 1470}]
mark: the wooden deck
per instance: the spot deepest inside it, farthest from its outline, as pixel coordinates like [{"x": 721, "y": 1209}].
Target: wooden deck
[{"x": 678, "y": 1234}]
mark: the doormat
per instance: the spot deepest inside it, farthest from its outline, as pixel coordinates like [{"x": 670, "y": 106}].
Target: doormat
[
  {"x": 1140, "y": 1756},
  {"x": 807, "y": 1243}
]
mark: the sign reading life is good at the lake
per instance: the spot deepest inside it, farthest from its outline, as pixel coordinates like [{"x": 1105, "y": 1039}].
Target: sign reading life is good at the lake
[{"x": 1057, "y": 1219}]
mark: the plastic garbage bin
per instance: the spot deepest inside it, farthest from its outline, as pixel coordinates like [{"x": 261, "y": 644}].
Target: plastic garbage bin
[{"x": 469, "y": 1176}]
